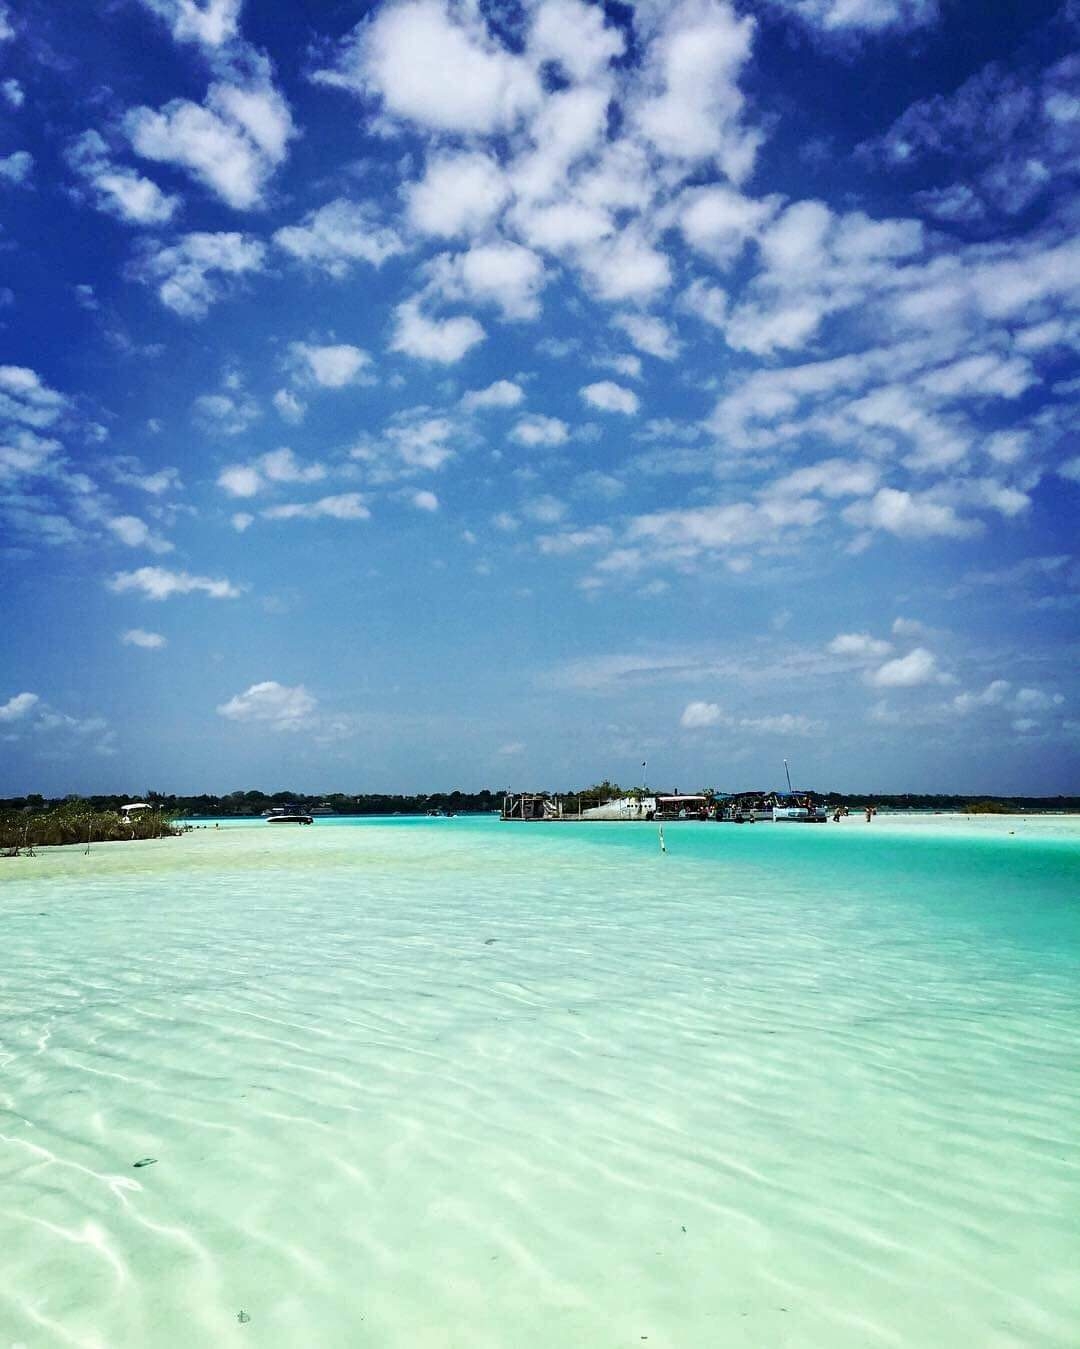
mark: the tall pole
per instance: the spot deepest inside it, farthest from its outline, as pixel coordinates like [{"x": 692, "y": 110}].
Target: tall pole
[
  {"x": 643, "y": 767},
  {"x": 788, "y": 774}
]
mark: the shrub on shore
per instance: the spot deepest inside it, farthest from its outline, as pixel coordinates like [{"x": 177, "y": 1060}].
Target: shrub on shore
[{"x": 77, "y": 822}]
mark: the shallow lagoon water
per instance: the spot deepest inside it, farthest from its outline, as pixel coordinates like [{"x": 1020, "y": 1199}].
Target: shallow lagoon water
[{"x": 462, "y": 1084}]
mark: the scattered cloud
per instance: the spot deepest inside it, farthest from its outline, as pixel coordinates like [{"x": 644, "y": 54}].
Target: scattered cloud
[
  {"x": 136, "y": 533},
  {"x": 333, "y": 366},
  {"x": 859, "y": 645},
  {"x": 148, "y": 641},
  {"x": 232, "y": 143},
  {"x": 649, "y": 334},
  {"x": 276, "y": 466},
  {"x": 504, "y": 393},
  {"x": 210, "y": 23},
  {"x": 116, "y": 190},
  {"x": 192, "y": 274},
  {"x": 917, "y": 667},
  {"x": 288, "y": 407},
  {"x": 156, "y": 583},
  {"x": 538, "y": 430},
  {"x": 338, "y": 235},
  {"x": 434, "y": 69},
  {"x": 444, "y": 341},
  {"x": 18, "y": 706},
  {"x": 346, "y": 506},
  {"x": 271, "y": 704},
  {"x": 608, "y": 396},
  {"x": 698, "y": 715},
  {"x": 16, "y": 168}
]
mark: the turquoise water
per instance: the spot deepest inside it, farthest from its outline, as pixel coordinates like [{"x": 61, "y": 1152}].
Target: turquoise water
[{"x": 459, "y": 1083}]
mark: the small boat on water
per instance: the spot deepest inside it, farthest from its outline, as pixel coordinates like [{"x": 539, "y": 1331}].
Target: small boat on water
[{"x": 287, "y": 815}]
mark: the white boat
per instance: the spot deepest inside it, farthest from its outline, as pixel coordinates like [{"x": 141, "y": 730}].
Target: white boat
[
  {"x": 289, "y": 817},
  {"x": 622, "y": 808}
]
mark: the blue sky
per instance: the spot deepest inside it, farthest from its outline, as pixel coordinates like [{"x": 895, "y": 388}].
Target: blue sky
[{"x": 433, "y": 394}]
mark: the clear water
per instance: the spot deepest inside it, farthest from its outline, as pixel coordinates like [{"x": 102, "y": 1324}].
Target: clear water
[{"x": 457, "y": 1083}]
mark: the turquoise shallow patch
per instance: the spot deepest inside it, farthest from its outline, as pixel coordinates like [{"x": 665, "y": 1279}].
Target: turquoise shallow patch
[{"x": 454, "y": 1082}]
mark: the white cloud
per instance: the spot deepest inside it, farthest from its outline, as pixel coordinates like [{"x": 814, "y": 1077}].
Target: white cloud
[
  {"x": 444, "y": 341},
  {"x": 226, "y": 414},
  {"x": 905, "y": 672},
  {"x": 649, "y": 334},
  {"x": 232, "y": 144},
  {"x": 288, "y": 407},
  {"x": 909, "y": 515},
  {"x": 991, "y": 696},
  {"x": 576, "y": 36},
  {"x": 681, "y": 535},
  {"x": 241, "y": 521},
  {"x": 209, "y": 22},
  {"x": 16, "y": 167},
  {"x": 718, "y": 221},
  {"x": 128, "y": 470},
  {"x": 571, "y": 541},
  {"x": 25, "y": 398},
  {"x": 434, "y": 69},
  {"x": 18, "y": 706},
  {"x": 347, "y": 506},
  {"x": 627, "y": 267},
  {"x": 697, "y": 715},
  {"x": 277, "y": 705},
  {"x": 561, "y": 226},
  {"x": 119, "y": 191},
  {"x": 149, "y": 641},
  {"x": 240, "y": 480},
  {"x": 569, "y": 126},
  {"x": 423, "y": 444},
  {"x": 247, "y": 480},
  {"x": 869, "y": 16},
  {"x": 158, "y": 584},
  {"x": 338, "y": 235},
  {"x": 503, "y": 274},
  {"x": 544, "y": 509},
  {"x": 458, "y": 195},
  {"x": 189, "y": 273},
  {"x": 425, "y": 501},
  {"x": 333, "y": 366},
  {"x": 283, "y": 466},
  {"x": 694, "y": 65},
  {"x": 539, "y": 430},
  {"x": 708, "y": 303},
  {"x": 830, "y": 477},
  {"x": 504, "y": 393},
  {"x": 136, "y": 533},
  {"x": 1037, "y": 700},
  {"x": 784, "y": 724},
  {"x": 13, "y": 93},
  {"x": 859, "y": 644},
  {"x": 611, "y": 397}
]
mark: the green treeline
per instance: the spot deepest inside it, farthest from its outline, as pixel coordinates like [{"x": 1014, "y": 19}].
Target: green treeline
[{"x": 69, "y": 811}]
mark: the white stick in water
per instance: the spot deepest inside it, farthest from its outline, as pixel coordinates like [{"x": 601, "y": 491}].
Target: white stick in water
[{"x": 663, "y": 845}]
